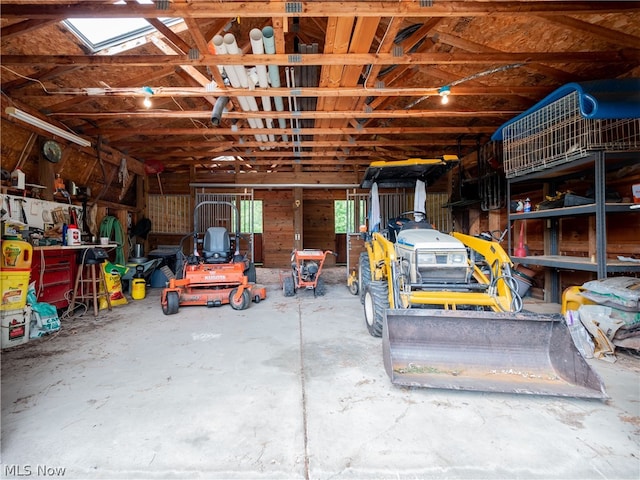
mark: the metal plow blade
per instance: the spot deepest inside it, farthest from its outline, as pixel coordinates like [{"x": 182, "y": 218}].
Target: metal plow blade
[{"x": 486, "y": 351}]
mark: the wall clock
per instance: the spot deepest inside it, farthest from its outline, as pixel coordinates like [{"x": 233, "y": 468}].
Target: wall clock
[{"x": 52, "y": 151}]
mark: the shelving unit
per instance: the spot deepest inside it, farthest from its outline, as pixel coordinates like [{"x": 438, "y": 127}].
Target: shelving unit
[{"x": 601, "y": 163}]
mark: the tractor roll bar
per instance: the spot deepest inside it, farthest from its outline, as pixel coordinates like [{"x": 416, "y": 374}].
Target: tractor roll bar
[{"x": 217, "y": 202}]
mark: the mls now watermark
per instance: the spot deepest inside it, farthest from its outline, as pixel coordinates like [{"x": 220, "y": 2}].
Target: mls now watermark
[{"x": 33, "y": 470}]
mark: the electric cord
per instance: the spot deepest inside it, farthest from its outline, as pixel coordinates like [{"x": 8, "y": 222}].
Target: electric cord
[{"x": 68, "y": 313}]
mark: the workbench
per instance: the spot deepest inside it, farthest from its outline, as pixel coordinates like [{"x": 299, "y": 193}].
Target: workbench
[{"x": 54, "y": 269}]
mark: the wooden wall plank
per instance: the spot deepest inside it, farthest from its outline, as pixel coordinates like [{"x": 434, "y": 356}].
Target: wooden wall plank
[{"x": 278, "y": 230}]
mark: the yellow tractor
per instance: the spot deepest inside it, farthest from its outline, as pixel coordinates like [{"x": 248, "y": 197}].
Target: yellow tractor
[{"x": 448, "y": 308}]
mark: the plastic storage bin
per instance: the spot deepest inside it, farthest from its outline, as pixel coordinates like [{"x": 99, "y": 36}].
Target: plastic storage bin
[
  {"x": 15, "y": 327},
  {"x": 15, "y": 284}
]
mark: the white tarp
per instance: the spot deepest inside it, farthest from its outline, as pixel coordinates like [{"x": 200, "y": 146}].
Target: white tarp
[
  {"x": 374, "y": 212},
  {"x": 419, "y": 200}
]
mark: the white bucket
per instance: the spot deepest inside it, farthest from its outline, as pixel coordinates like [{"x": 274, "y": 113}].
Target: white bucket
[{"x": 15, "y": 326}]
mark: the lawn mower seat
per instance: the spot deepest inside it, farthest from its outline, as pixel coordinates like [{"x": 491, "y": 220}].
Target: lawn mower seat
[
  {"x": 217, "y": 245},
  {"x": 395, "y": 225}
]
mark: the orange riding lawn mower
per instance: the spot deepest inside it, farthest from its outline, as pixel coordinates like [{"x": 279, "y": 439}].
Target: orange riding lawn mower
[{"x": 216, "y": 275}]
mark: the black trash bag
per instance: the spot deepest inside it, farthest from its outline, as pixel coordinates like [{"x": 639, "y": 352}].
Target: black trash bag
[{"x": 141, "y": 228}]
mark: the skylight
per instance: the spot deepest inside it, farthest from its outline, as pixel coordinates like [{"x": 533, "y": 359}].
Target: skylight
[{"x": 101, "y": 33}]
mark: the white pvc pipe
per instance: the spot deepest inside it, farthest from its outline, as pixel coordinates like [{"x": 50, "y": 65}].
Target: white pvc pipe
[
  {"x": 220, "y": 48},
  {"x": 274, "y": 74},
  {"x": 211, "y": 47},
  {"x": 257, "y": 47},
  {"x": 232, "y": 49}
]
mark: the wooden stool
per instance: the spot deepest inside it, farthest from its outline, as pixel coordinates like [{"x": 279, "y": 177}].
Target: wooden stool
[{"x": 90, "y": 285}]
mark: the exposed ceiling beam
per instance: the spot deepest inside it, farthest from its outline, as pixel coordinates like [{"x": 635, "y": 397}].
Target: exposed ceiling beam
[
  {"x": 454, "y": 58},
  {"x": 158, "y": 92},
  {"x": 329, "y": 154},
  {"x": 165, "y": 132},
  {"x": 388, "y": 41},
  {"x": 344, "y": 160},
  {"x": 177, "y": 44},
  {"x": 407, "y": 8},
  {"x": 79, "y": 100},
  {"x": 281, "y": 144},
  {"x": 444, "y": 113}
]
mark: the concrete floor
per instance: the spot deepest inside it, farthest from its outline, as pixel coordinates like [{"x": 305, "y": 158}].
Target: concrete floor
[{"x": 291, "y": 388}]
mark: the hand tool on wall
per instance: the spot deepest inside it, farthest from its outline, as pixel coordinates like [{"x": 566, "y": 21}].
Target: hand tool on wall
[
  {"x": 24, "y": 214},
  {"x": 8, "y": 200}
]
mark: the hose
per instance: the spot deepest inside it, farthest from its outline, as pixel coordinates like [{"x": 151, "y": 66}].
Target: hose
[
  {"x": 111, "y": 225},
  {"x": 516, "y": 300}
]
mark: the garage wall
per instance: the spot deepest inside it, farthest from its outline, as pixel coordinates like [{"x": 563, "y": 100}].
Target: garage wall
[
  {"x": 319, "y": 224},
  {"x": 277, "y": 227}
]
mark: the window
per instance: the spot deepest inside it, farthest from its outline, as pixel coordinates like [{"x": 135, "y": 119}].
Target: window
[
  {"x": 251, "y": 221},
  {"x": 347, "y": 218},
  {"x": 101, "y": 33}
]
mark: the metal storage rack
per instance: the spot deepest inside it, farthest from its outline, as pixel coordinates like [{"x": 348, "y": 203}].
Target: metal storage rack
[
  {"x": 557, "y": 132},
  {"x": 601, "y": 162}
]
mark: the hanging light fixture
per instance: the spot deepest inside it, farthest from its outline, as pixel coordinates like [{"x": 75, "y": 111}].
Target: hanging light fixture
[
  {"x": 46, "y": 126},
  {"x": 148, "y": 92},
  {"x": 444, "y": 94}
]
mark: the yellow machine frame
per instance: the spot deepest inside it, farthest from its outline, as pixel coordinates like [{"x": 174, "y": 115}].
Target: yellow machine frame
[{"x": 498, "y": 297}]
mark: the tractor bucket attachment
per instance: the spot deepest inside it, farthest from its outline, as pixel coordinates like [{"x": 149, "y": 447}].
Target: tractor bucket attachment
[{"x": 486, "y": 351}]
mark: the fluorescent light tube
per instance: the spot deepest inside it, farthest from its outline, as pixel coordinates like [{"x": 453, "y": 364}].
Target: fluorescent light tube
[{"x": 37, "y": 122}]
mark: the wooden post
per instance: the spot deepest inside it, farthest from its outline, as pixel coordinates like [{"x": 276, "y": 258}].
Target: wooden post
[
  {"x": 46, "y": 177},
  {"x": 298, "y": 218}
]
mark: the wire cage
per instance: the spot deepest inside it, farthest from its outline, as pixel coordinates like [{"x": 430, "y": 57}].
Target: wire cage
[{"x": 557, "y": 133}]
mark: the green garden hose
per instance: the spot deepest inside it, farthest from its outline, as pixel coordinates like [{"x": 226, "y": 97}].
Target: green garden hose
[{"x": 112, "y": 229}]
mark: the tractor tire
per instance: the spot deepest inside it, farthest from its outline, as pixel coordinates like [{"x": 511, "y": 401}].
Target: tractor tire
[
  {"x": 320, "y": 289},
  {"x": 364, "y": 274},
  {"x": 245, "y": 300},
  {"x": 251, "y": 273},
  {"x": 173, "y": 303},
  {"x": 376, "y": 301},
  {"x": 288, "y": 289}
]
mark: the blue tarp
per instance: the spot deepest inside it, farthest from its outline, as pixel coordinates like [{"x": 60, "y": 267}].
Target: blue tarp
[{"x": 598, "y": 99}]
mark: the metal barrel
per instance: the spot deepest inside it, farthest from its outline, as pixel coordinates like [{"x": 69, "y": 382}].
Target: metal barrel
[{"x": 519, "y": 353}]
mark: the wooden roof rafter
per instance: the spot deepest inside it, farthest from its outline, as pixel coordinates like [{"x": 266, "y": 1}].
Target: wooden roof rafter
[
  {"x": 53, "y": 9},
  {"x": 492, "y": 54}
]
